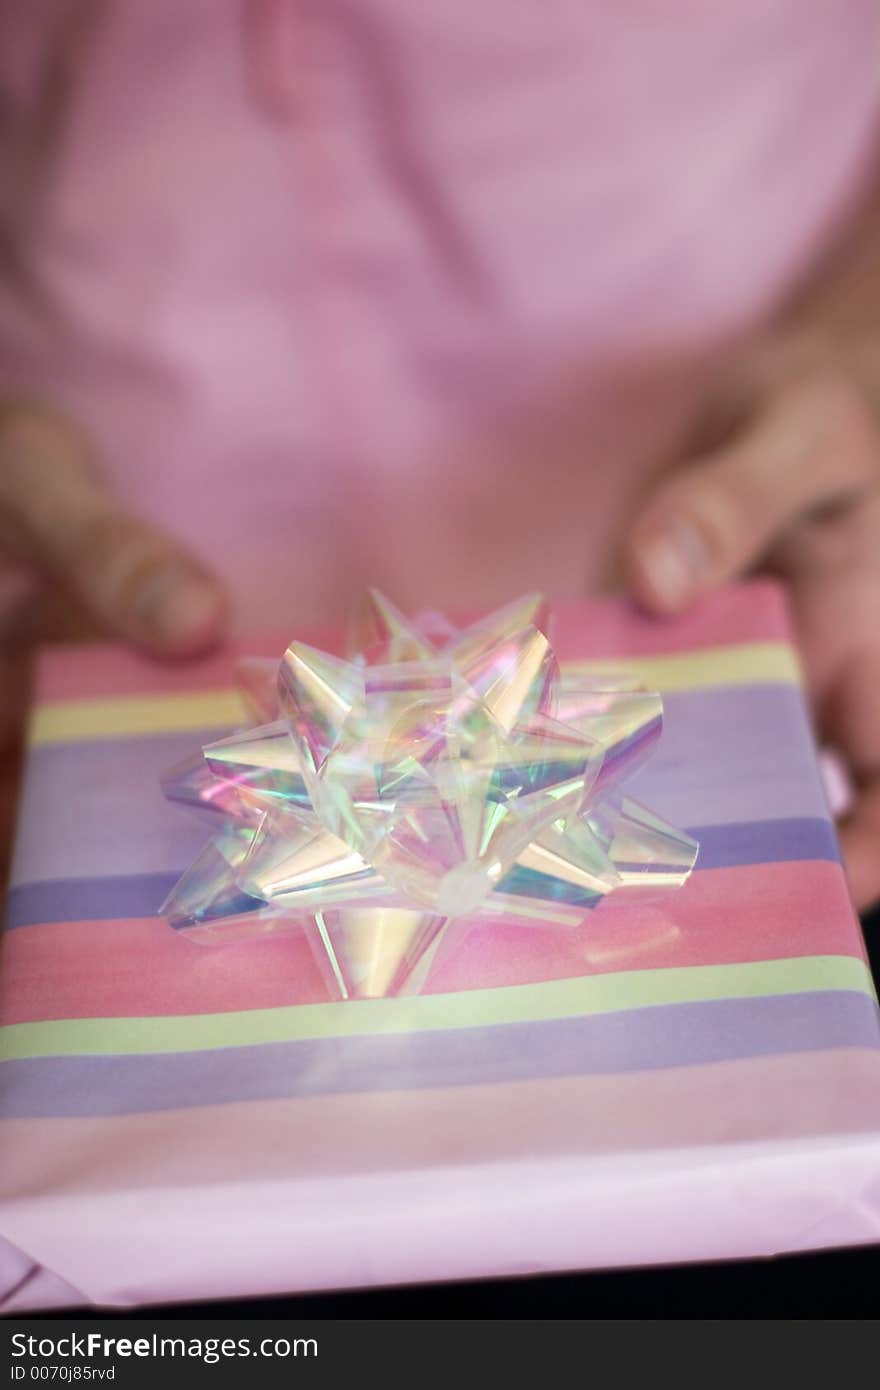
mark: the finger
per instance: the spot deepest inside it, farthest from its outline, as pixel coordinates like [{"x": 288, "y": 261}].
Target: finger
[
  {"x": 860, "y": 841},
  {"x": 813, "y": 445},
  {"x": 851, "y": 719},
  {"x": 58, "y": 517}
]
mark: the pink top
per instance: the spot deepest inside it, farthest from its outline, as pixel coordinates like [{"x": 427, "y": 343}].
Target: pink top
[{"x": 369, "y": 291}]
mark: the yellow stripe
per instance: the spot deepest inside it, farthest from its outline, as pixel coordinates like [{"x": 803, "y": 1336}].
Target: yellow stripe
[
  {"x": 554, "y": 999},
  {"x": 72, "y": 721},
  {"x": 751, "y": 663}
]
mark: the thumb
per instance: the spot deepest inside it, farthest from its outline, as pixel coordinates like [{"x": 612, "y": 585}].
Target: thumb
[
  {"x": 58, "y": 517},
  {"x": 813, "y": 445}
]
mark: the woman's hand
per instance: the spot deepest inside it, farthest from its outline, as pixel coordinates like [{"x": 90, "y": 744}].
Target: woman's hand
[
  {"x": 61, "y": 529},
  {"x": 73, "y": 563},
  {"x": 793, "y": 488}
]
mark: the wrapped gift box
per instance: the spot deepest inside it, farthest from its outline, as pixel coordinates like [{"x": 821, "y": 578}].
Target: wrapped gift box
[{"x": 693, "y": 1078}]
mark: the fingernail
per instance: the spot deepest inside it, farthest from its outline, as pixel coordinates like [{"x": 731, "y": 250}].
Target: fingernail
[
  {"x": 179, "y": 609},
  {"x": 674, "y": 561}
]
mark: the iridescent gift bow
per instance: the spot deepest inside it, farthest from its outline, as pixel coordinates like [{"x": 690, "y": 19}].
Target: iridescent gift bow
[{"x": 425, "y": 780}]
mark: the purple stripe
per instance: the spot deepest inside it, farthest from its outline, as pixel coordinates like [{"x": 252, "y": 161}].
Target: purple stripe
[
  {"x": 725, "y": 756},
  {"x": 88, "y": 899},
  {"x": 140, "y": 895},
  {"x": 633, "y": 1040},
  {"x": 766, "y": 842},
  {"x": 733, "y": 756}
]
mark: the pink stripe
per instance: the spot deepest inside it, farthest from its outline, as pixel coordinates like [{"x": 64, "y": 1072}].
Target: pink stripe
[
  {"x": 631, "y": 1169},
  {"x": 138, "y": 968},
  {"x": 752, "y": 612},
  {"x": 98, "y": 671}
]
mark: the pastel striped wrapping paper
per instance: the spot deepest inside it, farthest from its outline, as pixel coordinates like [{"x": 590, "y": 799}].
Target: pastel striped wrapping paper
[{"x": 694, "y": 1078}]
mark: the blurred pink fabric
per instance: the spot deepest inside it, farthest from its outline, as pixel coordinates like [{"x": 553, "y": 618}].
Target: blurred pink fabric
[{"x": 368, "y": 291}]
